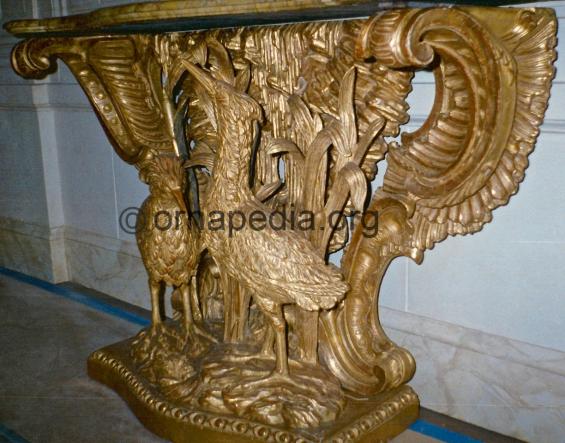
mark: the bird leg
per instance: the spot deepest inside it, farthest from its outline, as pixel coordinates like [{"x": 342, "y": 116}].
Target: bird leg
[
  {"x": 176, "y": 302},
  {"x": 265, "y": 353},
  {"x": 281, "y": 372},
  {"x": 196, "y": 311},
  {"x": 279, "y": 326},
  {"x": 268, "y": 343},
  {"x": 227, "y": 288},
  {"x": 155, "y": 287},
  {"x": 189, "y": 325},
  {"x": 187, "y": 308},
  {"x": 155, "y": 329}
]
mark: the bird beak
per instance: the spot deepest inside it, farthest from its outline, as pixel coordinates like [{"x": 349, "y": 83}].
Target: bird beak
[
  {"x": 202, "y": 77},
  {"x": 416, "y": 254},
  {"x": 180, "y": 199}
]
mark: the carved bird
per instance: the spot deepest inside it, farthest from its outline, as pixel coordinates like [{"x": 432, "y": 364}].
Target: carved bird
[
  {"x": 168, "y": 239},
  {"x": 279, "y": 267}
]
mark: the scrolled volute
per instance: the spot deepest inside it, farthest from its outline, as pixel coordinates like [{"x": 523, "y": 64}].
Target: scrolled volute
[
  {"x": 492, "y": 87},
  {"x": 34, "y": 58},
  {"x": 491, "y": 92}
]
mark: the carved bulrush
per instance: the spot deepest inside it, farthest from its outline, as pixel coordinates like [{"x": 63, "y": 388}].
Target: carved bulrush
[{"x": 289, "y": 122}]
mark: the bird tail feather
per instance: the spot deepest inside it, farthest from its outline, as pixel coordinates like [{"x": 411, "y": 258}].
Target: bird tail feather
[{"x": 314, "y": 301}]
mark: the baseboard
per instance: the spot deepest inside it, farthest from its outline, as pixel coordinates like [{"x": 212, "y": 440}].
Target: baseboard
[
  {"x": 33, "y": 249},
  {"x": 504, "y": 385},
  {"x": 107, "y": 265},
  {"x": 64, "y": 254}
]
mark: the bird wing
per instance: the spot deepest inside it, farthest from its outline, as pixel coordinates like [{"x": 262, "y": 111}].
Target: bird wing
[
  {"x": 119, "y": 78},
  {"x": 471, "y": 154},
  {"x": 168, "y": 242},
  {"x": 282, "y": 263},
  {"x": 117, "y": 74}
]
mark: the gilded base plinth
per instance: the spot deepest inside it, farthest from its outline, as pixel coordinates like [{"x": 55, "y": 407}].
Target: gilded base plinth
[{"x": 377, "y": 418}]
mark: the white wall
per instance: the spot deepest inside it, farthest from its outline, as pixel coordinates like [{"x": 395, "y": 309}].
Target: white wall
[
  {"x": 96, "y": 184},
  {"x": 30, "y": 203},
  {"x": 81, "y": 6},
  {"x": 58, "y": 172},
  {"x": 501, "y": 287},
  {"x": 20, "y": 147},
  {"x": 506, "y": 279}
]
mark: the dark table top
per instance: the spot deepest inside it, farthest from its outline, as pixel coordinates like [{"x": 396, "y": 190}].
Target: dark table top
[{"x": 186, "y": 15}]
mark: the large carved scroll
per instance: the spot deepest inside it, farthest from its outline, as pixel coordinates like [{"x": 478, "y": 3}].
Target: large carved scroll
[
  {"x": 492, "y": 88},
  {"x": 118, "y": 76}
]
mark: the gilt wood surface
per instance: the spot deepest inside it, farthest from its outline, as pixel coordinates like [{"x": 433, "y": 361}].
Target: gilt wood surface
[
  {"x": 285, "y": 121},
  {"x": 371, "y": 420}
]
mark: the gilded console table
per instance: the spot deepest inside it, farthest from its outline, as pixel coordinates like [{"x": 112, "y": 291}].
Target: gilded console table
[{"x": 261, "y": 143}]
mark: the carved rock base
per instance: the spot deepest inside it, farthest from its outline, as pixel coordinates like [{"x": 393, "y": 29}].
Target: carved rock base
[{"x": 377, "y": 418}]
